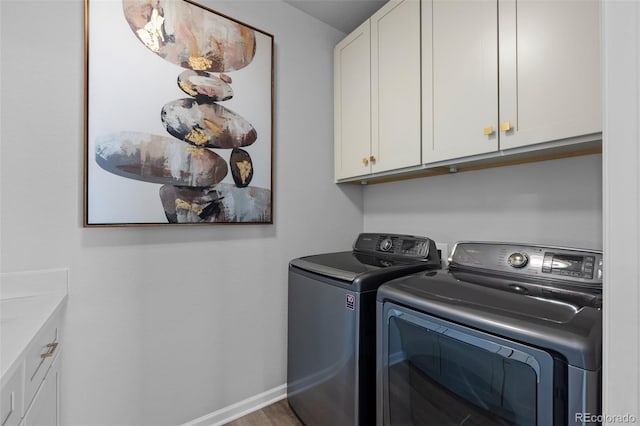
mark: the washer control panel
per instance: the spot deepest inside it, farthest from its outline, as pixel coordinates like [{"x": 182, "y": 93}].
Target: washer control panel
[
  {"x": 409, "y": 246},
  {"x": 568, "y": 264}
]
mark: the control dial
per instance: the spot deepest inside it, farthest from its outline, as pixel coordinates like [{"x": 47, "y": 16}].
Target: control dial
[
  {"x": 518, "y": 260},
  {"x": 386, "y": 244}
]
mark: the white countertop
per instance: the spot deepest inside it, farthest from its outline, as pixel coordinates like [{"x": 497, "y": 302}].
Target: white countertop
[{"x": 27, "y": 301}]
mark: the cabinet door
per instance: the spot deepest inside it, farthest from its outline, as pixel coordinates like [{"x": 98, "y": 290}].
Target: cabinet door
[
  {"x": 550, "y": 78},
  {"x": 426, "y": 75},
  {"x": 395, "y": 86},
  {"x": 43, "y": 410},
  {"x": 11, "y": 398},
  {"x": 465, "y": 79},
  {"x": 352, "y": 103}
]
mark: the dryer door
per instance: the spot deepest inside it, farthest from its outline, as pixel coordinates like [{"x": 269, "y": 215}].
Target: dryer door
[{"x": 435, "y": 372}]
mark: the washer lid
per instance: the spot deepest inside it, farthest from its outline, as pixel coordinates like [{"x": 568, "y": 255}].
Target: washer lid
[
  {"x": 359, "y": 271},
  {"x": 345, "y": 266},
  {"x": 564, "y": 322}
]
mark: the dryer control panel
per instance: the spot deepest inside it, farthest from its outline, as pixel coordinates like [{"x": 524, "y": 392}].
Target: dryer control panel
[{"x": 580, "y": 266}]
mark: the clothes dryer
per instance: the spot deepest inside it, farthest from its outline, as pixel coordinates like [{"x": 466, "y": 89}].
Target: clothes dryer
[{"x": 511, "y": 334}]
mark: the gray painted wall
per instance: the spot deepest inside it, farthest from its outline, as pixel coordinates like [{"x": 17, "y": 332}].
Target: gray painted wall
[
  {"x": 164, "y": 324},
  {"x": 556, "y": 202}
]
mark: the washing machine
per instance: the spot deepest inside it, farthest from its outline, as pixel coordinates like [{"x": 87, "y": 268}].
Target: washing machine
[
  {"x": 510, "y": 334},
  {"x": 331, "y": 372}
]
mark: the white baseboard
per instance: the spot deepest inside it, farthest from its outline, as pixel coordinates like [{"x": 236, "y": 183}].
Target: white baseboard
[{"x": 242, "y": 408}]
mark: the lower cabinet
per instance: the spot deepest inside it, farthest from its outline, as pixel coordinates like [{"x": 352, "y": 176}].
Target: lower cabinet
[
  {"x": 12, "y": 396},
  {"x": 30, "y": 393},
  {"x": 45, "y": 407}
]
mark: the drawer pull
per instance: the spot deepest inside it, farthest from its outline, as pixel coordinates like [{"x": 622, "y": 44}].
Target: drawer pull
[
  {"x": 52, "y": 348},
  {"x": 505, "y": 127},
  {"x": 488, "y": 131}
]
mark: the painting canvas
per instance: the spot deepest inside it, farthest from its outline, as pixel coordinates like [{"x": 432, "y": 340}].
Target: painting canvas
[{"x": 179, "y": 115}]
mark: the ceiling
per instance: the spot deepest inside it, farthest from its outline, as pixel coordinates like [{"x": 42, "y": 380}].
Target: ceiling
[{"x": 344, "y": 15}]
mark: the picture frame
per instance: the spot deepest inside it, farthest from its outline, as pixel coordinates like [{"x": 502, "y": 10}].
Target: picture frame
[{"x": 178, "y": 116}]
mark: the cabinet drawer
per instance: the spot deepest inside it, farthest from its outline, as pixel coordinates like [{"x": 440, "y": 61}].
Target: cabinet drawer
[
  {"x": 11, "y": 396},
  {"x": 40, "y": 356}
]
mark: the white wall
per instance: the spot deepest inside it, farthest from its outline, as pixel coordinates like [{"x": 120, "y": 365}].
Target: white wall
[
  {"x": 621, "y": 156},
  {"x": 164, "y": 324},
  {"x": 557, "y": 202}
]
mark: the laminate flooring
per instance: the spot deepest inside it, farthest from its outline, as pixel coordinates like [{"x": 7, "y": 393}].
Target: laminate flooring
[{"x": 276, "y": 414}]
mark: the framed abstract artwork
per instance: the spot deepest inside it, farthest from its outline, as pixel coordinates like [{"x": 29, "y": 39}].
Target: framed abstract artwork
[{"x": 178, "y": 116}]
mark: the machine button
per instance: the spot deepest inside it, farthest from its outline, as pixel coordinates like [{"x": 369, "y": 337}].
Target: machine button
[{"x": 518, "y": 260}]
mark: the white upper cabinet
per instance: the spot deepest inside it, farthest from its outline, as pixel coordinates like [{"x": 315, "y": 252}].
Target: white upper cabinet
[
  {"x": 509, "y": 74},
  {"x": 395, "y": 86},
  {"x": 550, "y": 77},
  {"x": 377, "y": 93},
  {"x": 352, "y": 103},
  {"x": 465, "y": 79},
  {"x": 432, "y": 83}
]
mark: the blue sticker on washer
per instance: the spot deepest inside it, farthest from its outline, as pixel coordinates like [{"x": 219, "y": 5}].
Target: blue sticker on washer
[{"x": 351, "y": 302}]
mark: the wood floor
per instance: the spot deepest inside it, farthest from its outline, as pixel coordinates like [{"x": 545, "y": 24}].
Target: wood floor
[{"x": 277, "y": 414}]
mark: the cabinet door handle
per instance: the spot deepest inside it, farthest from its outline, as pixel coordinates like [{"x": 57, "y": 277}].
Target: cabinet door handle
[
  {"x": 505, "y": 127},
  {"x": 365, "y": 161},
  {"x": 488, "y": 131},
  {"x": 372, "y": 159},
  {"x": 52, "y": 348}
]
